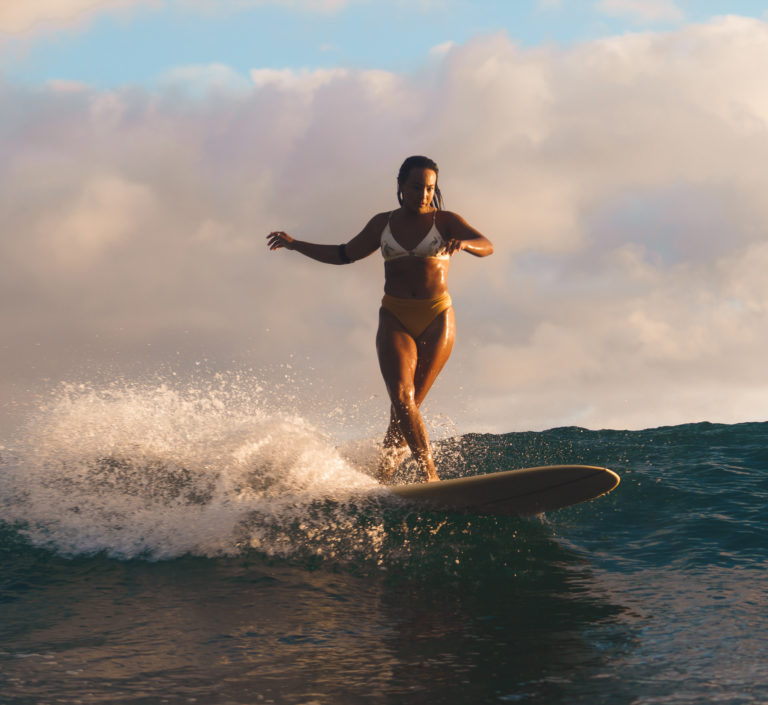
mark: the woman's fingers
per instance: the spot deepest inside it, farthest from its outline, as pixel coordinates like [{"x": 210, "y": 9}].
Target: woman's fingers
[
  {"x": 278, "y": 239},
  {"x": 453, "y": 246}
]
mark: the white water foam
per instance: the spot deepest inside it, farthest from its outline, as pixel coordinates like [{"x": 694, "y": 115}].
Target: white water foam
[{"x": 158, "y": 472}]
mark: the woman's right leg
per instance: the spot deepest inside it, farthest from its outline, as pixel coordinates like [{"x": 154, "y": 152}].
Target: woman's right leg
[
  {"x": 410, "y": 367},
  {"x": 434, "y": 347},
  {"x": 398, "y": 356}
]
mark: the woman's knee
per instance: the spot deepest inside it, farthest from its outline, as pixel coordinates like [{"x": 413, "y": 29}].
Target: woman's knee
[{"x": 403, "y": 397}]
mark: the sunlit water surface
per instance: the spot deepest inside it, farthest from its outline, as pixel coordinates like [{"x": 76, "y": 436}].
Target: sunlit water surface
[{"x": 166, "y": 546}]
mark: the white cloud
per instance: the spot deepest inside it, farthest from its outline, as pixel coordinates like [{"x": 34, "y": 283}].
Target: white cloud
[
  {"x": 78, "y": 236},
  {"x": 440, "y": 50},
  {"x": 45, "y": 15},
  {"x": 203, "y": 80},
  {"x": 303, "y": 80},
  {"x": 644, "y": 11},
  {"x": 64, "y": 86},
  {"x": 622, "y": 182},
  {"x": 308, "y": 5},
  {"x": 20, "y": 17}
]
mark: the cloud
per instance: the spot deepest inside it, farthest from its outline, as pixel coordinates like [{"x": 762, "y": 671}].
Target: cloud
[
  {"x": 48, "y": 15},
  {"x": 302, "y": 80},
  {"x": 643, "y": 11},
  {"x": 302, "y": 5},
  {"x": 621, "y": 180},
  {"x": 204, "y": 80},
  {"x": 21, "y": 17},
  {"x": 78, "y": 236},
  {"x": 440, "y": 50}
]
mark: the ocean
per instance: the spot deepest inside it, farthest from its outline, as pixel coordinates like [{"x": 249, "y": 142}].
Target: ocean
[{"x": 167, "y": 546}]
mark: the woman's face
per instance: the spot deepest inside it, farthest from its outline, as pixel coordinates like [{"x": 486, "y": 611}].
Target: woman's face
[{"x": 418, "y": 190}]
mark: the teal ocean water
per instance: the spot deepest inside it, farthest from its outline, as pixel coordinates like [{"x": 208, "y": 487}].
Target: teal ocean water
[{"x": 167, "y": 547}]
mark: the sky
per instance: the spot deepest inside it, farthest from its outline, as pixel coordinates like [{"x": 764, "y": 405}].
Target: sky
[{"x": 613, "y": 151}]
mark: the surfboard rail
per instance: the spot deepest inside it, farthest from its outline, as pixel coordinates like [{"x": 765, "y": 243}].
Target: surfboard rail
[{"x": 513, "y": 492}]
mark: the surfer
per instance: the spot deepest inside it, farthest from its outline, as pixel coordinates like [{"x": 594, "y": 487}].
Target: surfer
[{"x": 416, "y": 321}]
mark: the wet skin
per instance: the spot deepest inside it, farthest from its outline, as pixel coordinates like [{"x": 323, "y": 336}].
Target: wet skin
[{"x": 409, "y": 365}]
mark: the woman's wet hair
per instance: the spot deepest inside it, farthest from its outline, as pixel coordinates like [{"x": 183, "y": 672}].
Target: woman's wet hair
[{"x": 419, "y": 162}]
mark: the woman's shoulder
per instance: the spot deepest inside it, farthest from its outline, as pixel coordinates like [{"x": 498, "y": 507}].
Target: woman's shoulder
[
  {"x": 378, "y": 221},
  {"x": 447, "y": 219},
  {"x": 373, "y": 229}
]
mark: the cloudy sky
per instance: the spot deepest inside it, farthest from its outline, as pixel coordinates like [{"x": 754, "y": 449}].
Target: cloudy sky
[{"x": 613, "y": 150}]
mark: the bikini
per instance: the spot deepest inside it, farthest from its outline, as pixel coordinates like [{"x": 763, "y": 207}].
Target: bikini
[{"x": 415, "y": 314}]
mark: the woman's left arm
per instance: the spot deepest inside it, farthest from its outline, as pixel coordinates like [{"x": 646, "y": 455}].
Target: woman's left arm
[{"x": 462, "y": 236}]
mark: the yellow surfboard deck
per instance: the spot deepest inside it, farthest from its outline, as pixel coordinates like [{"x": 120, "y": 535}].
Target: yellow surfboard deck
[{"x": 513, "y": 492}]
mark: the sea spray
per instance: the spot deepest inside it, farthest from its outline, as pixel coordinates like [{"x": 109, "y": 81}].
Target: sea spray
[{"x": 156, "y": 471}]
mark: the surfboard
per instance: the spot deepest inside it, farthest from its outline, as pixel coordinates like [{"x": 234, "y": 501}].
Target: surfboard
[{"x": 512, "y": 492}]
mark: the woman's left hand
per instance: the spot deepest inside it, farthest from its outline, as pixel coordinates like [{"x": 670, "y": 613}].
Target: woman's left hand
[{"x": 452, "y": 246}]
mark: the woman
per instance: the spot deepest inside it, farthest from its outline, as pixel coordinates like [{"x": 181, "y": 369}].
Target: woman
[{"x": 416, "y": 321}]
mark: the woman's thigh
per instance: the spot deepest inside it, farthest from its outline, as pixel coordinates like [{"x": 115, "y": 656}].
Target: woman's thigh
[
  {"x": 398, "y": 355},
  {"x": 434, "y": 348},
  {"x": 408, "y": 365}
]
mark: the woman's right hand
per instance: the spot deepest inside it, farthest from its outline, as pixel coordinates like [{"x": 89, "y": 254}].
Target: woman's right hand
[{"x": 278, "y": 239}]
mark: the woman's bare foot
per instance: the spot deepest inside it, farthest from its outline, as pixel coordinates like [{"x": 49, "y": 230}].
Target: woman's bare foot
[
  {"x": 427, "y": 465},
  {"x": 389, "y": 460}
]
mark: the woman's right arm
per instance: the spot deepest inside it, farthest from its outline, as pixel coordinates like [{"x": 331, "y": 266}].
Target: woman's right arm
[
  {"x": 360, "y": 246},
  {"x": 330, "y": 254}
]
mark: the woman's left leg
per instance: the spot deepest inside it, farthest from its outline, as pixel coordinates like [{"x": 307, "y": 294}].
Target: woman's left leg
[{"x": 434, "y": 346}]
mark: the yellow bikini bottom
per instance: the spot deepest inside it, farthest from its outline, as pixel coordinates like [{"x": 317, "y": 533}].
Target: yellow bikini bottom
[{"x": 416, "y": 314}]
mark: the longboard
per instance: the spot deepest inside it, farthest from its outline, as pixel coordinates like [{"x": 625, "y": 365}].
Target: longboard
[{"x": 513, "y": 492}]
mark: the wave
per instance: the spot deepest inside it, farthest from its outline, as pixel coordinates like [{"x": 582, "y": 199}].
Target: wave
[
  {"x": 159, "y": 472},
  {"x": 147, "y": 472}
]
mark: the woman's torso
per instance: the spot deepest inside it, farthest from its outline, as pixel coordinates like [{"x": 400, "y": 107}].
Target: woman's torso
[{"x": 415, "y": 266}]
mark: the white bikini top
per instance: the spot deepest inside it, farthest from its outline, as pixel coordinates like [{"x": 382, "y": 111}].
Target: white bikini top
[{"x": 432, "y": 246}]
